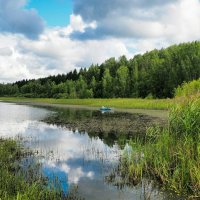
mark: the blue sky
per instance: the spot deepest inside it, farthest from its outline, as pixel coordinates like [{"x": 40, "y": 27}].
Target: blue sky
[
  {"x": 39, "y": 38},
  {"x": 54, "y": 12}
]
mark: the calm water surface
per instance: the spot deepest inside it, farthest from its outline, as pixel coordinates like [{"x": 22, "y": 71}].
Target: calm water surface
[{"x": 74, "y": 157}]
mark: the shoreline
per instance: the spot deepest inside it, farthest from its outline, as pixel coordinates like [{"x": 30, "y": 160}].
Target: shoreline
[{"x": 160, "y": 113}]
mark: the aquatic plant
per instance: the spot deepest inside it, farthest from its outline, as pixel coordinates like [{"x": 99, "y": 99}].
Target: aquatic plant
[{"x": 171, "y": 155}]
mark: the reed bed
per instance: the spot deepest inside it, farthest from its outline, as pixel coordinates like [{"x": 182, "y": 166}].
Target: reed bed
[{"x": 170, "y": 155}]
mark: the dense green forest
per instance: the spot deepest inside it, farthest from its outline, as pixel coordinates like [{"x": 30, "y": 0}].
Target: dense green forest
[{"x": 154, "y": 74}]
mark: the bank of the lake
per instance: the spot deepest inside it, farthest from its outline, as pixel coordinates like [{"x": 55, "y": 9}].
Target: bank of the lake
[{"x": 126, "y": 103}]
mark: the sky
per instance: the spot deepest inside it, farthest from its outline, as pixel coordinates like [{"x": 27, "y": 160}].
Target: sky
[{"x": 39, "y": 38}]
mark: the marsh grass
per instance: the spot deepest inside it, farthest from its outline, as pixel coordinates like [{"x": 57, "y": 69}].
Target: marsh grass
[
  {"x": 170, "y": 155},
  {"x": 21, "y": 179}
]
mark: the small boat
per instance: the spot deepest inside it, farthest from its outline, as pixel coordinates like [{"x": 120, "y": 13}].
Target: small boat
[{"x": 103, "y": 108}]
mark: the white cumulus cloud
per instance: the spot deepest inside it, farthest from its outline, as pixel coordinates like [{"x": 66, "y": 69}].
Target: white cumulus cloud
[
  {"x": 97, "y": 31},
  {"x": 54, "y": 52}
]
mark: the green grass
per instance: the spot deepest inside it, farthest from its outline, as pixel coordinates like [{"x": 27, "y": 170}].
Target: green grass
[
  {"x": 17, "y": 183},
  {"x": 171, "y": 155},
  {"x": 162, "y": 104}
]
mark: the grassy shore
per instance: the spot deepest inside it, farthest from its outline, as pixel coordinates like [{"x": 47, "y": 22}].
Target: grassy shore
[{"x": 160, "y": 104}]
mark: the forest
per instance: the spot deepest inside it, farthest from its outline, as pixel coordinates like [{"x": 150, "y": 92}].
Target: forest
[{"x": 154, "y": 74}]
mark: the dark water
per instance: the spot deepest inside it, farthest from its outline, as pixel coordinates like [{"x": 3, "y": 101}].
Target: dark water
[{"x": 80, "y": 158}]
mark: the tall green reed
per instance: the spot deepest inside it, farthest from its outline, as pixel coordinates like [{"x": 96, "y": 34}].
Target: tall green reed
[{"x": 171, "y": 155}]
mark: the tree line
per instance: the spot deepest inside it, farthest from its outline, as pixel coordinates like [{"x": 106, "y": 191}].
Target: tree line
[{"x": 154, "y": 74}]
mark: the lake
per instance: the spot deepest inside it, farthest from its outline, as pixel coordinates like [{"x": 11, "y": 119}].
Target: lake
[{"x": 79, "y": 146}]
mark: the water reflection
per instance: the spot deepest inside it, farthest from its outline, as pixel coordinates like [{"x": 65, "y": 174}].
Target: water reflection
[
  {"x": 75, "y": 158},
  {"x": 76, "y": 155}
]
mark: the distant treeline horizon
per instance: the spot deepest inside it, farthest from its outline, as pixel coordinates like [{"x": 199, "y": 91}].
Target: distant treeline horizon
[{"x": 154, "y": 74}]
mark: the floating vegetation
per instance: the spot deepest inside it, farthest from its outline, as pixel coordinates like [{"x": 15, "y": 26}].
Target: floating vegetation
[{"x": 110, "y": 127}]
